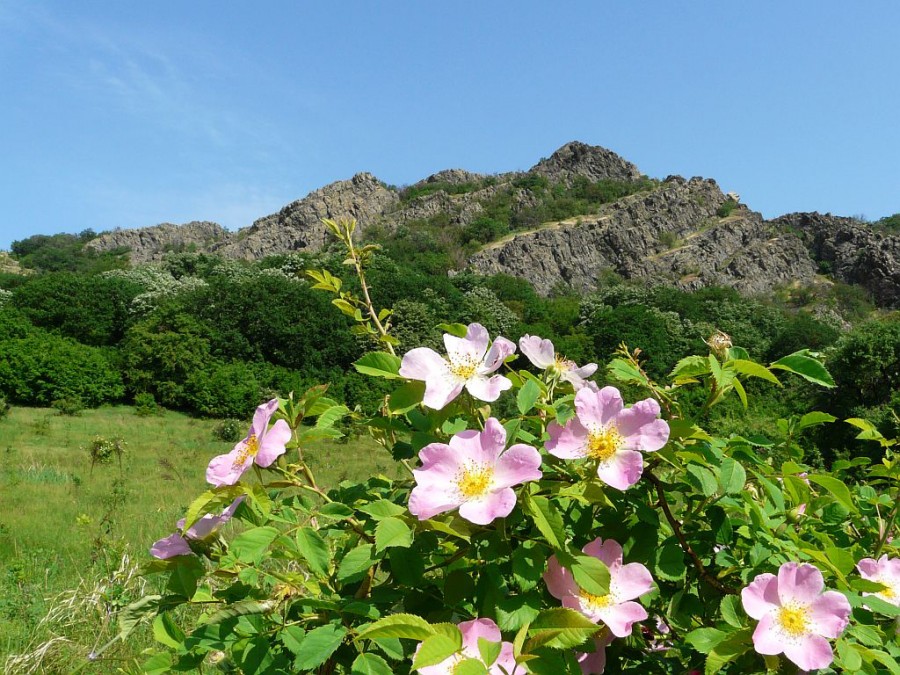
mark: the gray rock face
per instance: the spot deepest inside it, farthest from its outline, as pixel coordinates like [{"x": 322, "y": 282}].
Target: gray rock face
[
  {"x": 152, "y": 243},
  {"x": 298, "y": 226},
  {"x": 590, "y": 161},
  {"x": 850, "y": 252},
  {"x": 671, "y": 235}
]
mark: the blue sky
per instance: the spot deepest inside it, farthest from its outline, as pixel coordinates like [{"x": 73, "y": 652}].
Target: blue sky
[{"x": 126, "y": 114}]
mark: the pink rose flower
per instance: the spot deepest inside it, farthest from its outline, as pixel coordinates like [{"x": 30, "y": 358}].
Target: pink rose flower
[
  {"x": 594, "y": 663},
  {"x": 468, "y": 364},
  {"x": 262, "y": 445},
  {"x": 883, "y": 571},
  {"x": 471, "y": 631},
  {"x": 543, "y": 355},
  {"x": 474, "y": 474},
  {"x": 795, "y": 616},
  {"x": 616, "y": 609},
  {"x": 177, "y": 544},
  {"x": 605, "y": 430}
]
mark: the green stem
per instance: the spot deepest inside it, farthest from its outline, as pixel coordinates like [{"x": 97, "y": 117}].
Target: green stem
[{"x": 888, "y": 527}]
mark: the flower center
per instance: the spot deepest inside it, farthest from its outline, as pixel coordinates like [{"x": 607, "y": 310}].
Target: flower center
[
  {"x": 562, "y": 365},
  {"x": 793, "y": 620},
  {"x": 464, "y": 367},
  {"x": 475, "y": 480},
  {"x": 888, "y": 592},
  {"x": 249, "y": 449},
  {"x": 603, "y": 443},
  {"x": 595, "y": 602}
]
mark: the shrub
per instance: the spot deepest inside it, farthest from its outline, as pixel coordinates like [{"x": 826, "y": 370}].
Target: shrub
[
  {"x": 70, "y": 406},
  {"x": 145, "y": 405},
  {"x": 229, "y": 430},
  {"x": 727, "y": 208}
]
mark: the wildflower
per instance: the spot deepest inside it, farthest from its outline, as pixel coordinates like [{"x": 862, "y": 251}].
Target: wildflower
[
  {"x": 616, "y": 609},
  {"x": 543, "y": 355},
  {"x": 885, "y": 571},
  {"x": 177, "y": 543},
  {"x": 474, "y": 474},
  {"x": 594, "y": 663},
  {"x": 262, "y": 446},
  {"x": 795, "y": 616},
  {"x": 605, "y": 430},
  {"x": 468, "y": 364},
  {"x": 471, "y": 632}
]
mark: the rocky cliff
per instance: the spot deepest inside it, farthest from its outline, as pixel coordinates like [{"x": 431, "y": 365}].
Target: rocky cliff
[{"x": 148, "y": 244}]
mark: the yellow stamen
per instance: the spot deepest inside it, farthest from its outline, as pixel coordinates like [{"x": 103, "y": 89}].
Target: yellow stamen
[
  {"x": 562, "y": 365},
  {"x": 249, "y": 449},
  {"x": 603, "y": 443},
  {"x": 793, "y": 620},
  {"x": 475, "y": 480},
  {"x": 464, "y": 367},
  {"x": 596, "y": 602}
]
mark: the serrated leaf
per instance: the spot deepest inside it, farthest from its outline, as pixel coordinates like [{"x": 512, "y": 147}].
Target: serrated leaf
[
  {"x": 318, "y": 645},
  {"x": 328, "y": 417},
  {"x": 398, "y": 626},
  {"x": 469, "y": 667},
  {"x": 591, "y": 574},
  {"x": 166, "y": 631},
  {"x": 704, "y": 640},
  {"x": 670, "y": 563},
  {"x": 547, "y": 519},
  {"x": 728, "y": 650},
  {"x": 370, "y": 664},
  {"x": 690, "y": 366},
  {"x": 436, "y": 648},
  {"x": 356, "y": 563},
  {"x": 250, "y": 546},
  {"x": 559, "y": 628},
  {"x": 623, "y": 371},
  {"x": 814, "y": 418},
  {"x": 292, "y": 638},
  {"x": 379, "y": 364},
  {"x": 837, "y": 489},
  {"x": 731, "y": 611},
  {"x": 130, "y": 616},
  {"x": 406, "y": 397},
  {"x": 314, "y": 550},
  {"x": 703, "y": 479},
  {"x": 732, "y": 476},
  {"x": 527, "y": 396},
  {"x": 241, "y": 608},
  {"x": 456, "y": 329},
  {"x": 392, "y": 532},
  {"x": 753, "y": 369},
  {"x": 489, "y": 651},
  {"x": 802, "y": 364},
  {"x": 383, "y": 508}
]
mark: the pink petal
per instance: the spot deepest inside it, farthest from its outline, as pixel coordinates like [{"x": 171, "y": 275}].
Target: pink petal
[
  {"x": 830, "y": 613},
  {"x": 468, "y": 446},
  {"x": 768, "y": 638},
  {"x": 493, "y": 505},
  {"x": 810, "y": 652},
  {"x": 520, "y": 464},
  {"x": 594, "y": 663},
  {"x": 472, "y": 346},
  {"x": 622, "y": 470},
  {"x": 598, "y": 408},
  {"x": 631, "y": 582},
  {"x": 541, "y": 353},
  {"x": 422, "y": 363},
  {"x": 559, "y": 580},
  {"x": 262, "y": 416},
  {"x": 440, "y": 390},
  {"x": 271, "y": 446},
  {"x": 488, "y": 389},
  {"x": 478, "y": 628},
  {"x": 799, "y": 583},
  {"x": 568, "y": 442},
  {"x": 760, "y": 597},
  {"x": 440, "y": 463},
  {"x": 640, "y": 427},
  {"x": 222, "y": 469},
  {"x": 170, "y": 547},
  {"x": 497, "y": 354},
  {"x": 609, "y": 552},
  {"x": 427, "y": 502},
  {"x": 506, "y": 662},
  {"x": 620, "y": 618}
]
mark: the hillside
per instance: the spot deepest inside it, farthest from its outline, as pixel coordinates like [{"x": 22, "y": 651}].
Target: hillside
[{"x": 578, "y": 214}]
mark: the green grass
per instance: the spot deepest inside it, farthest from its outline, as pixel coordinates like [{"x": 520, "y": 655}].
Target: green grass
[{"x": 65, "y": 524}]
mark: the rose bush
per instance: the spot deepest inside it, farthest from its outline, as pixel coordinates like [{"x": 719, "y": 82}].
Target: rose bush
[{"x": 597, "y": 527}]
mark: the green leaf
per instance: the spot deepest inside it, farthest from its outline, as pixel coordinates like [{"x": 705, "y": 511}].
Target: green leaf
[
  {"x": 732, "y": 476},
  {"x": 406, "y": 397},
  {"x": 837, "y": 489},
  {"x": 370, "y": 664},
  {"x": 704, "y": 640},
  {"x": 379, "y": 364},
  {"x": 392, "y": 532},
  {"x": 814, "y": 418},
  {"x": 621, "y": 370},
  {"x": 398, "y": 626},
  {"x": 292, "y": 638},
  {"x": 211, "y": 501},
  {"x": 336, "y": 510},
  {"x": 241, "y": 608},
  {"x": 591, "y": 574},
  {"x": 166, "y": 631},
  {"x": 319, "y": 644},
  {"x": 328, "y": 417},
  {"x": 456, "y": 329},
  {"x": 728, "y": 650},
  {"x": 469, "y": 667},
  {"x": 356, "y": 563},
  {"x": 250, "y": 546},
  {"x": 383, "y": 508},
  {"x": 158, "y": 664},
  {"x": 690, "y": 366},
  {"x": 703, "y": 479},
  {"x": 436, "y": 648},
  {"x": 559, "y": 628},
  {"x": 730, "y": 609},
  {"x": 753, "y": 369},
  {"x": 489, "y": 651},
  {"x": 527, "y": 396},
  {"x": 547, "y": 519},
  {"x": 670, "y": 563},
  {"x": 129, "y": 617},
  {"x": 807, "y": 367},
  {"x": 314, "y": 549}
]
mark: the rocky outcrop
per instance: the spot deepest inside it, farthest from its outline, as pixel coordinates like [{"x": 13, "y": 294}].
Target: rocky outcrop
[
  {"x": 588, "y": 161},
  {"x": 672, "y": 235},
  {"x": 850, "y": 251},
  {"x": 152, "y": 243},
  {"x": 298, "y": 226}
]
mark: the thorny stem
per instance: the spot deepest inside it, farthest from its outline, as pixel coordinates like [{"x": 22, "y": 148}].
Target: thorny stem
[
  {"x": 685, "y": 546},
  {"x": 365, "y": 290},
  {"x": 882, "y": 539}
]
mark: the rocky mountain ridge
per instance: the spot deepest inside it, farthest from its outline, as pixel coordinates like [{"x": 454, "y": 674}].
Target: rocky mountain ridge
[{"x": 682, "y": 232}]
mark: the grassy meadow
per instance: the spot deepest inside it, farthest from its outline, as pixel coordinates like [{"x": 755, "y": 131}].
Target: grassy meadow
[{"x": 66, "y": 525}]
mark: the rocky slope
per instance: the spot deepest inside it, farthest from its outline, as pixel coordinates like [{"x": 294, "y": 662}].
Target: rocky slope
[{"x": 684, "y": 232}]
